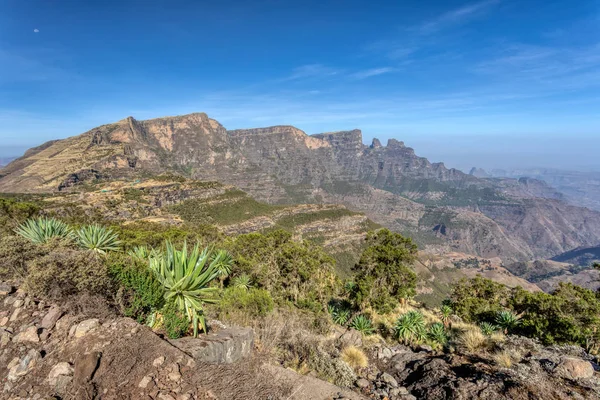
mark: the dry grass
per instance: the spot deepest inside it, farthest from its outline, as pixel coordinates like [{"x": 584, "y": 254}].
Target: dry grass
[
  {"x": 355, "y": 357},
  {"x": 472, "y": 340},
  {"x": 506, "y": 358}
]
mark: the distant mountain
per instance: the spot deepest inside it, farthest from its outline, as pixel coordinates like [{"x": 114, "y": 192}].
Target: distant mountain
[
  {"x": 6, "y": 160},
  {"x": 443, "y": 209},
  {"x": 580, "y": 188}
]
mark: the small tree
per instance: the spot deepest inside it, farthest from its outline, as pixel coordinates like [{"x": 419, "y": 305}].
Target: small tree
[{"x": 383, "y": 273}]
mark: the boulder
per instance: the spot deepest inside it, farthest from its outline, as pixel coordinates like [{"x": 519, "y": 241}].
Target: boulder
[
  {"x": 223, "y": 347},
  {"x": 574, "y": 368},
  {"x": 25, "y": 365},
  {"x": 84, "y": 327},
  {"x": 388, "y": 380},
  {"x": 60, "y": 369},
  {"x": 28, "y": 335},
  {"x": 85, "y": 367},
  {"x": 51, "y": 317},
  {"x": 6, "y": 289},
  {"x": 351, "y": 337},
  {"x": 363, "y": 383}
]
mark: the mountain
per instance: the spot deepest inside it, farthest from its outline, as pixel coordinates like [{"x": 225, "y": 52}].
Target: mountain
[
  {"x": 6, "y": 160},
  {"x": 443, "y": 209},
  {"x": 579, "y": 188}
]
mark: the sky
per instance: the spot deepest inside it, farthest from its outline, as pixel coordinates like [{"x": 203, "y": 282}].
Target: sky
[{"x": 491, "y": 83}]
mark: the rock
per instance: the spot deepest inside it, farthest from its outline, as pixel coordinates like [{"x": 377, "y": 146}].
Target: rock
[
  {"x": 85, "y": 367},
  {"x": 158, "y": 361},
  {"x": 18, "y": 303},
  {"x": 164, "y": 396},
  {"x": 62, "y": 383},
  {"x": 3, "y": 321},
  {"x": 51, "y": 317},
  {"x": 44, "y": 335},
  {"x": 223, "y": 347},
  {"x": 384, "y": 353},
  {"x": 15, "y": 315},
  {"x": 28, "y": 335},
  {"x": 402, "y": 391},
  {"x": 5, "y": 338},
  {"x": 60, "y": 369},
  {"x": 25, "y": 365},
  {"x": 389, "y": 380},
  {"x": 84, "y": 327},
  {"x": 574, "y": 368},
  {"x": 351, "y": 337},
  {"x": 425, "y": 348},
  {"x": 174, "y": 376},
  {"x": 363, "y": 383},
  {"x": 6, "y": 289},
  {"x": 145, "y": 382}
]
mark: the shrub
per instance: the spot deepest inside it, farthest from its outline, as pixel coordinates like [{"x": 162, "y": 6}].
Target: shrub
[
  {"x": 506, "y": 358},
  {"x": 410, "y": 327},
  {"x": 383, "y": 273},
  {"x": 479, "y": 299},
  {"x": 253, "y": 302},
  {"x": 15, "y": 253},
  {"x": 174, "y": 321},
  {"x": 41, "y": 230},
  {"x": 339, "y": 316},
  {"x": 355, "y": 357},
  {"x": 186, "y": 277},
  {"x": 98, "y": 238},
  {"x": 142, "y": 253},
  {"x": 65, "y": 272},
  {"x": 362, "y": 324},
  {"x": 446, "y": 313},
  {"x": 140, "y": 293}
]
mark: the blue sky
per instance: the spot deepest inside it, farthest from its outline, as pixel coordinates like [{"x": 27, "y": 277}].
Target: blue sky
[{"x": 491, "y": 83}]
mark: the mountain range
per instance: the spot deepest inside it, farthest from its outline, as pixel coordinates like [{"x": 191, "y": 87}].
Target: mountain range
[{"x": 442, "y": 209}]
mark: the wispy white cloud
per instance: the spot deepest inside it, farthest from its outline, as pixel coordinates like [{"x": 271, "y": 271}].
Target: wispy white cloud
[
  {"x": 372, "y": 72},
  {"x": 311, "y": 71},
  {"x": 456, "y": 16}
]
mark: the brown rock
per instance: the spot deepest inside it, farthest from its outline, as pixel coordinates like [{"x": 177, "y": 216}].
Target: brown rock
[
  {"x": 574, "y": 368},
  {"x": 28, "y": 335},
  {"x": 51, "y": 317},
  {"x": 85, "y": 368}
]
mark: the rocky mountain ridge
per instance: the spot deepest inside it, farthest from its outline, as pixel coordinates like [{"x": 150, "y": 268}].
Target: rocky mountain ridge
[{"x": 443, "y": 209}]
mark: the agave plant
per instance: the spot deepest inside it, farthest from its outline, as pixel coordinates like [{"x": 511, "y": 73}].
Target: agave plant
[
  {"x": 142, "y": 253},
  {"x": 341, "y": 317},
  {"x": 98, "y": 238},
  {"x": 243, "y": 281},
  {"x": 362, "y": 324},
  {"x": 507, "y": 320},
  {"x": 487, "y": 328},
  {"x": 186, "y": 277},
  {"x": 437, "y": 333},
  {"x": 410, "y": 327},
  {"x": 41, "y": 230},
  {"x": 446, "y": 312}
]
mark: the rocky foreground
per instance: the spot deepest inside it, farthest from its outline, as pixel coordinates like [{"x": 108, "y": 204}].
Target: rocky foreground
[{"x": 51, "y": 351}]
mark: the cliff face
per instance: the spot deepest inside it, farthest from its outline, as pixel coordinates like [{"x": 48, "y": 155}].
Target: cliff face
[{"x": 442, "y": 208}]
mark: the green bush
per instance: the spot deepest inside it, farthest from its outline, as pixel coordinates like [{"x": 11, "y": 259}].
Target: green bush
[
  {"x": 362, "y": 324},
  {"x": 65, "y": 272},
  {"x": 175, "y": 322},
  {"x": 253, "y": 302},
  {"x": 410, "y": 327},
  {"x": 15, "y": 253},
  {"x": 140, "y": 293},
  {"x": 154, "y": 235},
  {"x": 479, "y": 299},
  {"x": 384, "y": 274}
]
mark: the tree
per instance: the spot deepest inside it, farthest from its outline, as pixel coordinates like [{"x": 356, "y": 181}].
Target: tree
[{"x": 383, "y": 274}]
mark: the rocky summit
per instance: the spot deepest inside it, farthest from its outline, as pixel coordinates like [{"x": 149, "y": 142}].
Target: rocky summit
[{"x": 442, "y": 209}]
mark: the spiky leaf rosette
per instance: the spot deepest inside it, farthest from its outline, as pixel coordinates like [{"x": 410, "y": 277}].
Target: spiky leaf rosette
[
  {"x": 410, "y": 327},
  {"x": 362, "y": 324},
  {"x": 186, "y": 277},
  {"x": 41, "y": 230},
  {"x": 142, "y": 253},
  {"x": 98, "y": 238},
  {"x": 243, "y": 281}
]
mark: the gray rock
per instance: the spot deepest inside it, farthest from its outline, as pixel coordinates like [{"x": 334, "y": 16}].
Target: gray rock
[
  {"x": 384, "y": 353},
  {"x": 351, "y": 337},
  {"x": 84, "y": 327},
  {"x": 51, "y": 317},
  {"x": 145, "y": 382},
  {"x": 18, "y": 303},
  {"x": 60, "y": 369},
  {"x": 223, "y": 347},
  {"x": 388, "y": 380},
  {"x": 15, "y": 314},
  {"x": 425, "y": 348},
  {"x": 25, "y": 365},
  {"x": 363, "y": 383},
  {"x": 158, "y": 361},
  {"x": 6, "y": 289}
]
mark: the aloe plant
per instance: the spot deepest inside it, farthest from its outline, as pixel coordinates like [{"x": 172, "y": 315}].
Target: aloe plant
[
  {"x": 437, "y": 333},
  {"x": 98, "y": 238},
  {"x": 487, "y": 328},
  {"x": 186, "y": 277},
  {"x": 243, "y": 281},
  {"x": 362, "y": 324},
  {"x": 142, "y": 253},
  {"x": 507, "y": 320},
  {"x": 410, "y": 327},
  {"x": 41, "y": 230}
]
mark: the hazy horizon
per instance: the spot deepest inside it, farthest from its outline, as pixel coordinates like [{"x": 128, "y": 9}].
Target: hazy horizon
[{"x": 488, "y": 83}]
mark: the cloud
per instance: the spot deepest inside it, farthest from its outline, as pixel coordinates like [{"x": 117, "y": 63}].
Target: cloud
[
  {"x": 36, "y": 30},
  {"x": 311, "y": 71},
  {"x": 456, "y": 16},
  {"x": 372, "y": 72}
]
